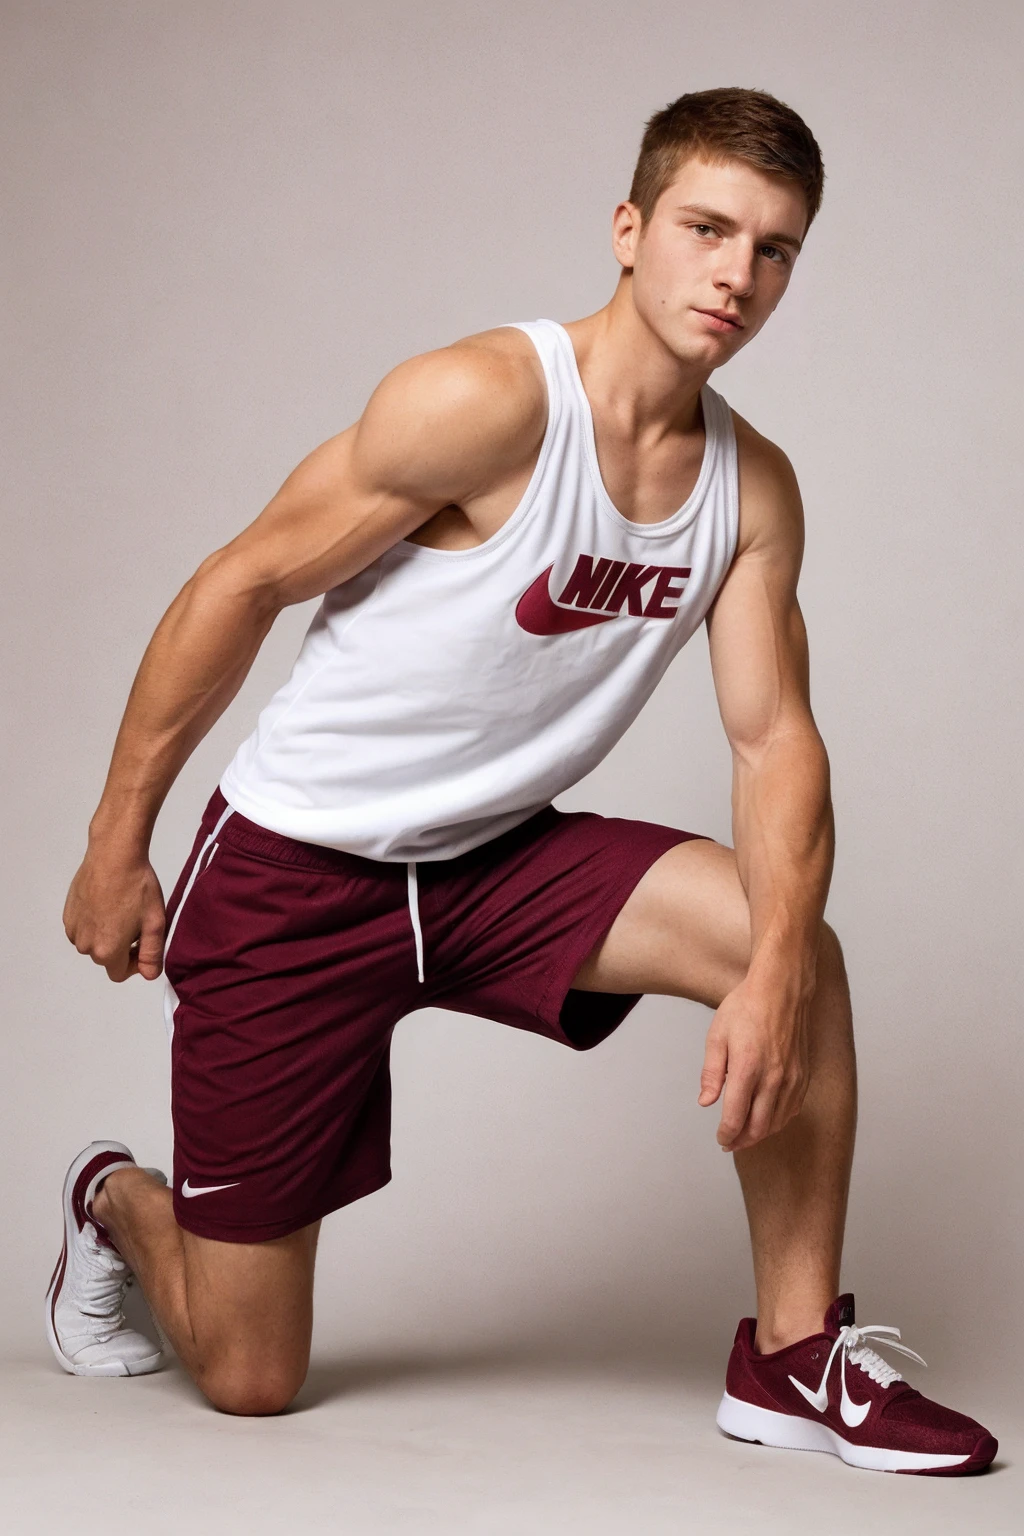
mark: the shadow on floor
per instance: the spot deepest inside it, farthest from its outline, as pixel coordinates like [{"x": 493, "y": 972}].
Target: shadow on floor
[{"x": 341, "y": 1375}]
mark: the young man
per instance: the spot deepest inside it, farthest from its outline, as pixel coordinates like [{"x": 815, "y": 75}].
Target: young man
[{"x": 514, "y": 540}]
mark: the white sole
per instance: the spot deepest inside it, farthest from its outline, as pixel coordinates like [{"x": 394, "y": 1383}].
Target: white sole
[
  {"x": 790, "y": 1432},
  {"x": 110, "y": 1367}
]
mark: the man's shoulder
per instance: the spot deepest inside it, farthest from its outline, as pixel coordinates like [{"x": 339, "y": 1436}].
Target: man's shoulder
[
  {"x": 497, "y": 371},
  {"x": 448, "y": 421},
  {"x": 770, "y": 506},
  {"x": 759, "y": 456},
  {"x": 503, "y": 346},
  {"x": 488, "y": 385}
]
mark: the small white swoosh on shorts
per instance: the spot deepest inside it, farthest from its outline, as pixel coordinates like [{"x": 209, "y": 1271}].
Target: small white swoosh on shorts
[{"x": 209, "y": 1189}]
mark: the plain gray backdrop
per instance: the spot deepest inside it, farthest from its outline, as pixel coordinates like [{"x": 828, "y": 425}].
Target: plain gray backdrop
[{"x": 224, "y": 222}]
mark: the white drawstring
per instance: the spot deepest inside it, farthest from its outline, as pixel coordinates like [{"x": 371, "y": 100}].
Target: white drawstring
[
  {"x": 414, "y": 914},
  {"x": 212, "y": 844}
]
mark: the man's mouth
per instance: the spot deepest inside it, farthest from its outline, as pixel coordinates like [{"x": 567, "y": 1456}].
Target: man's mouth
[{"x": 722, "y": 319}]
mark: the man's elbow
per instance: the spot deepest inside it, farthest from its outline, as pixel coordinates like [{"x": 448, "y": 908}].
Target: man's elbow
[
  {"x": 792, "y": 738},
  {"x": 232, "y": 581}
]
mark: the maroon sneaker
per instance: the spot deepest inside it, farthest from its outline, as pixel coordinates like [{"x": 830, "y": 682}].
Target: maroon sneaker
[{"x": 832, "y": 1392}]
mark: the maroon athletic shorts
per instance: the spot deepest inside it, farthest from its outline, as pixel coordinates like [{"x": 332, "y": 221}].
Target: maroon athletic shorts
[{"x": 291, "y": 964}]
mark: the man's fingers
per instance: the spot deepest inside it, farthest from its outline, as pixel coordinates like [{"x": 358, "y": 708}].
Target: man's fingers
[
  {"x": 739, "y": 1087},
  {"x": 115, "y": 956},
  {"x": 789, "y": 1099},
  {"x": 712, "y": 1077},
  {"x": 776, "y": 1102},
  {"x": 118, "y": 965},
  {"x": 762, "y": 1120},
  {"x": 120, "y": 959},
  {"x": 150, "y": 952}
]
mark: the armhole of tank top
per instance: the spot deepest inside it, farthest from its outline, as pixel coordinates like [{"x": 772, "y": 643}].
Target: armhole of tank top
[
  {"x": 544, "y": 340},
  {"x": 406, "y": 550},
  {"x": 543, "y": 336},
  {"x": 727, "y": 450}
]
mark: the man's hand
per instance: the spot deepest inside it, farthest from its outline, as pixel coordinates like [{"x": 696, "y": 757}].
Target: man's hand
[
  {"x": 115, "y": 914},
  {"x": 757, "y": 1050}
]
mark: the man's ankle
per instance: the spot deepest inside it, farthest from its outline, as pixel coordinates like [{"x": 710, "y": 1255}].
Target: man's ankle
[
  {"x": 778, "y": 1333},
  {"x": 103, "y": 1201}
]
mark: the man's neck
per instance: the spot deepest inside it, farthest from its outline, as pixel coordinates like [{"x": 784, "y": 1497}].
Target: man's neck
[{"x": 630, "y": 374}]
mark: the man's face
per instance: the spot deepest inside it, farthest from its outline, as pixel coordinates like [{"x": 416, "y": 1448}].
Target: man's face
[{"x": 722, "y": 237}]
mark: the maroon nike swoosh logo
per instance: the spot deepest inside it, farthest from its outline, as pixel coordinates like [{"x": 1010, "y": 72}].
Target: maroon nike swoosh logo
[{"x": 538, "y": 614}]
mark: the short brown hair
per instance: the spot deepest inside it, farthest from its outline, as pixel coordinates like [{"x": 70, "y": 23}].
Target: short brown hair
[{"x": 728, "y": 123}]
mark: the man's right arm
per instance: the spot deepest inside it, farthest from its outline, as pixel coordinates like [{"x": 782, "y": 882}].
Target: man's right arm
[{"x": 435, "y": 432}]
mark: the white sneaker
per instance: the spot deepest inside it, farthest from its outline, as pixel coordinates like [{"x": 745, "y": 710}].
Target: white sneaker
[{"x": 85, "y": 1323}]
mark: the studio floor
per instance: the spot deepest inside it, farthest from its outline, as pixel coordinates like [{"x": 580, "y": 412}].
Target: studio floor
[{"x": 495, "y": 1440}]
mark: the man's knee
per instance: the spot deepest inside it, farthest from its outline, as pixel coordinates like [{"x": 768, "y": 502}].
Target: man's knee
[
  {"x": 251, "y": 1314},
  {"x": 248, "y": 1384},
  {"x": 831, "y": 965},
  {"x": 833, "y": 1011}
]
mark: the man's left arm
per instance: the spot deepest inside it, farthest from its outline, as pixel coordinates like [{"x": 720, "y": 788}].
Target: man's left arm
[{"x": 782, "y": 810}]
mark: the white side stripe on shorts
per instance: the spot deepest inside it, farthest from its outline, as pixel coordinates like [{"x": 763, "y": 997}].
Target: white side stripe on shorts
[
  {"x": 196, "y": 867},
  {"x": 170, "y": 997}
]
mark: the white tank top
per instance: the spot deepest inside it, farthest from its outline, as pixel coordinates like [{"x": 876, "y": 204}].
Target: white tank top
[{"x": 442, "y": 697}]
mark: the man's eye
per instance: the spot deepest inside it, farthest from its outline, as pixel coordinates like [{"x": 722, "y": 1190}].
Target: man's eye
[
  {"x": 781, "y": 255},
  {"x": 708, "y": 227}
]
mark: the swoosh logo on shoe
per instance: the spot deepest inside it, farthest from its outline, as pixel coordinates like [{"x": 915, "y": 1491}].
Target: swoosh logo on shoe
[
  {"x": 207, "y": 1189},
  {"x": 819, "y": 1399},
  {"x": 539, "y": 614},
  {"x": 850, "y": 1412}
]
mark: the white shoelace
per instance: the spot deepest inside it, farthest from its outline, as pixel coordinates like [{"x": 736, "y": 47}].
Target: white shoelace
[
  {"x": 100, "y": 1280},
  {"x": 852, "y": 1343}
]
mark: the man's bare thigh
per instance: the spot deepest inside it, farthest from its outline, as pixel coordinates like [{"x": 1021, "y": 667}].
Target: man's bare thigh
[{"x": 684, "y": 931}]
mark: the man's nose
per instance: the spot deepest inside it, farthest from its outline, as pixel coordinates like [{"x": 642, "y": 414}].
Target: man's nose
[{"x": 736, "y": 271}]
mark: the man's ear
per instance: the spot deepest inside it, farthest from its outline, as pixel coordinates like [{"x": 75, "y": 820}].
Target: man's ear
[{"x": 627, "y": 226}]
